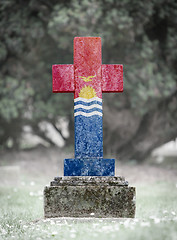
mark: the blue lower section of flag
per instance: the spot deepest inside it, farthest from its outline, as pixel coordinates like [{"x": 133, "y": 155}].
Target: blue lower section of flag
[
  {"x": 88, "y": 137},
  {"x": 89, "y": 167},
  {"x": 88, "y": 159}
]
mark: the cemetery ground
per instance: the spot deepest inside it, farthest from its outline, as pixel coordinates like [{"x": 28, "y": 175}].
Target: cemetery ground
[{"x": 24, "y": 174}]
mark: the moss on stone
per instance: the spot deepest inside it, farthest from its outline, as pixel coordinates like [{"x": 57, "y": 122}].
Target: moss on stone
[{"x": 103, "y": 200}]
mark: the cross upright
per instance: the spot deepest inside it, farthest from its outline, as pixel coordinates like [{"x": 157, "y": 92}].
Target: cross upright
[{"x": 88, "y": 78}]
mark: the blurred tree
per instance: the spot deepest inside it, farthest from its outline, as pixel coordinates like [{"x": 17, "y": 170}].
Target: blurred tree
[{"x": 140, "y": 34}]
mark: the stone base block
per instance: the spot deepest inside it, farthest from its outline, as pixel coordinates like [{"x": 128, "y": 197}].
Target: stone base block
[
  {"x": 89, "y": 167},
  {"x": 89, "y": 197}
]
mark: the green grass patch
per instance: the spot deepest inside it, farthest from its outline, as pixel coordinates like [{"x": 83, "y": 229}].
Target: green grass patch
[{"x": 21, "y": 216}]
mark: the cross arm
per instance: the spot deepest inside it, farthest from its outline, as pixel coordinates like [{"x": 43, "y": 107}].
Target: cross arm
[
  {"x": 112, "y": 78},
  {"x": 63, "y": 78}
]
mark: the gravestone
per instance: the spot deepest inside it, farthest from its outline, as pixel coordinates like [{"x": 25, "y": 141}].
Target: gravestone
[{"x": 89, "y": 187}]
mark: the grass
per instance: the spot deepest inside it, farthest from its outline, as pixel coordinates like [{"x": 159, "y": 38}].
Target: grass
[
  {"x": 21, "y": 202},
  {"x": 21, "y": 216}
]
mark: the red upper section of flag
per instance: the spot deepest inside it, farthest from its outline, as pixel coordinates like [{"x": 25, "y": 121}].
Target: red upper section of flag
[{"x": 87, "y": 70}]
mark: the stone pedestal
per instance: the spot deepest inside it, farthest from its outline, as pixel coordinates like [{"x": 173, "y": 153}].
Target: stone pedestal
[
  {"x": 89, "y": 167},
  {"x": 89, "y": 197}
]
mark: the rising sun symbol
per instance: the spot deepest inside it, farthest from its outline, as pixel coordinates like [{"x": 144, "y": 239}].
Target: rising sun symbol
[{"x": 87, "y": 92}]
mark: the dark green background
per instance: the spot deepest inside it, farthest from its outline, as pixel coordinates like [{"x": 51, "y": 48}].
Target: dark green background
[{"x": 141, "y": 35}]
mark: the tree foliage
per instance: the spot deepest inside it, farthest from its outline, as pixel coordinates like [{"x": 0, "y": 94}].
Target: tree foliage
[{"x": 139, "y": 34}]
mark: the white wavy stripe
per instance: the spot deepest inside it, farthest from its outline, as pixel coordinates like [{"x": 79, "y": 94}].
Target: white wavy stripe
[
  {"x": 88, "y": 107},
  {"x": 87, "y": 100},
  {"x": 88, "y": 114}
]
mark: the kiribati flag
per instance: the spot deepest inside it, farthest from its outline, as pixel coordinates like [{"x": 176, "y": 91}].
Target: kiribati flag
[{"x": 88, "y": 125}]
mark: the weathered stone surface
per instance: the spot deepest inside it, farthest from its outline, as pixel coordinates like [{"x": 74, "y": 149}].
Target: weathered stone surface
[
  {"x": 89, "y": 166},
  {"x": 86, "y": 196},
  {"x": 89, "y": 197},
  {"x": 88, "y": 78},
  {"x": 87, "y": 180}
]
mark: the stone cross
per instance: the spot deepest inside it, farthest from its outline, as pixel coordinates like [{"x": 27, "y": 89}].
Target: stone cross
[{"x": 88, "y": 78}]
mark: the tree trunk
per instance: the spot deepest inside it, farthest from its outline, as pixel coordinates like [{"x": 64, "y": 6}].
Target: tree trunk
[{"x": 156, "y": 127}]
